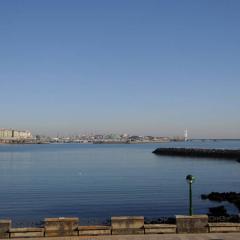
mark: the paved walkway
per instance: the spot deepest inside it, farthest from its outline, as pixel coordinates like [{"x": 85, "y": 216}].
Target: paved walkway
[{"x": 206, "y": 236}]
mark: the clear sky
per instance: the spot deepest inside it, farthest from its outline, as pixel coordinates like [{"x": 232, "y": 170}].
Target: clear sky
[{"x": 140, "y": 67}]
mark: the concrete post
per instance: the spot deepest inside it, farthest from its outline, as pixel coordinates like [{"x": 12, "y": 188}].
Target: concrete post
[
  {"x": 5, "y": 226},
  {"x": 127, "y": 225},
  {"x": 56, "y": 227},
  {"x": 192, "y": 224}
]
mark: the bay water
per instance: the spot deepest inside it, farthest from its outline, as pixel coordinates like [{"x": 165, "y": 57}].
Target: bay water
[{"x": 97, "y": 181}]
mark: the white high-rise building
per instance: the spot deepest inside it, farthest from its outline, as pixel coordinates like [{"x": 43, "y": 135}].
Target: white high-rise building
[{"x": 186, "y": 135}]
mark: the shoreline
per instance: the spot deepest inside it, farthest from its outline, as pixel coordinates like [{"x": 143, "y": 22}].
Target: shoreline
[{"x": 82, "y": 143}]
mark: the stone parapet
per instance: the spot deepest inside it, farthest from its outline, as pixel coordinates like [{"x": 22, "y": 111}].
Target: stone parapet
[{"x": 126, "y": 225}]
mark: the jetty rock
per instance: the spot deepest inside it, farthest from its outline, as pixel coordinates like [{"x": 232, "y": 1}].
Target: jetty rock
[{"x": 199, "y": 152}]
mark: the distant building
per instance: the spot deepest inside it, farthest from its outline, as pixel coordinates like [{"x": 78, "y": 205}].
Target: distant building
[
  {"x": 6, "y": 133},
  {"x": 112, "y": 136},
  {"x": 136, "y": 138},
  {"x": 98, "y": 137},
  {"x": 186, "y": 135},
  {"x": 22, "y": 134},
  {"x": 14, "y": 134},
  {"x": 125, "y": 135}
]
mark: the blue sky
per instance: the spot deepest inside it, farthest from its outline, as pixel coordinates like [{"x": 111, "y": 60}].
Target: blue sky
[{"x": 141, "y": 67}]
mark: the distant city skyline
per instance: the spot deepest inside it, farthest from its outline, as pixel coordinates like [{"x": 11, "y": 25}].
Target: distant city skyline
[{"x": 138, "y": 67}]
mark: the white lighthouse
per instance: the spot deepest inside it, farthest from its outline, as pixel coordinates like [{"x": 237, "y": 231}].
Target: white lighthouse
[{"x": 186, "y": 135}]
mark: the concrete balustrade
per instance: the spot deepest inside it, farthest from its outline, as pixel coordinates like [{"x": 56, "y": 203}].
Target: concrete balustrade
[{"x": 57, "y": 227}]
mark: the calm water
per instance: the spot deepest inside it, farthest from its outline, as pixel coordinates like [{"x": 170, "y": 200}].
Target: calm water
[{"x": 94, "y": 182}]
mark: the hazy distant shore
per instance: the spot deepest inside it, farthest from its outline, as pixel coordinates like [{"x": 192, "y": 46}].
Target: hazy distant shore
[
  {"x": 34, "y": 141},
  {"x": 84, "y": 143}
]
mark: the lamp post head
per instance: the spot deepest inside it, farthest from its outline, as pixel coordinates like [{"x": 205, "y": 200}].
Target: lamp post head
[{"x": 190, "y": 179}]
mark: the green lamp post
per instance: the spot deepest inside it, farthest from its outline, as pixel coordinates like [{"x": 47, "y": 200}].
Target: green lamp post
[{"x": 190, "y": 179}]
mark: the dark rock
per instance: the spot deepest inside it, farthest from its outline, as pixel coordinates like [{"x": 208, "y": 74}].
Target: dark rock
[
  {"x": 218, "y": 211},
  {"x": 204, "y": 196},
  {"x": 231, "y": 197}
]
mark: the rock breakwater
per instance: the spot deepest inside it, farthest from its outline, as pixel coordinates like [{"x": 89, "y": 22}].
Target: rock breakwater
[{"x": 199, "y": 152}]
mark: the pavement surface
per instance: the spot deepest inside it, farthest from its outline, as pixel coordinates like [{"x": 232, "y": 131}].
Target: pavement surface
[{"x": 205, "y": 236}]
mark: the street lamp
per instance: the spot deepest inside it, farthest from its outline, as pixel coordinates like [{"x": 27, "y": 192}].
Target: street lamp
[{"x": 190, "y": 179}]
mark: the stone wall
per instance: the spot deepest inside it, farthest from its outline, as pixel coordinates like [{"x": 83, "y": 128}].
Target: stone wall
[{"x": 56, "y": 227}]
